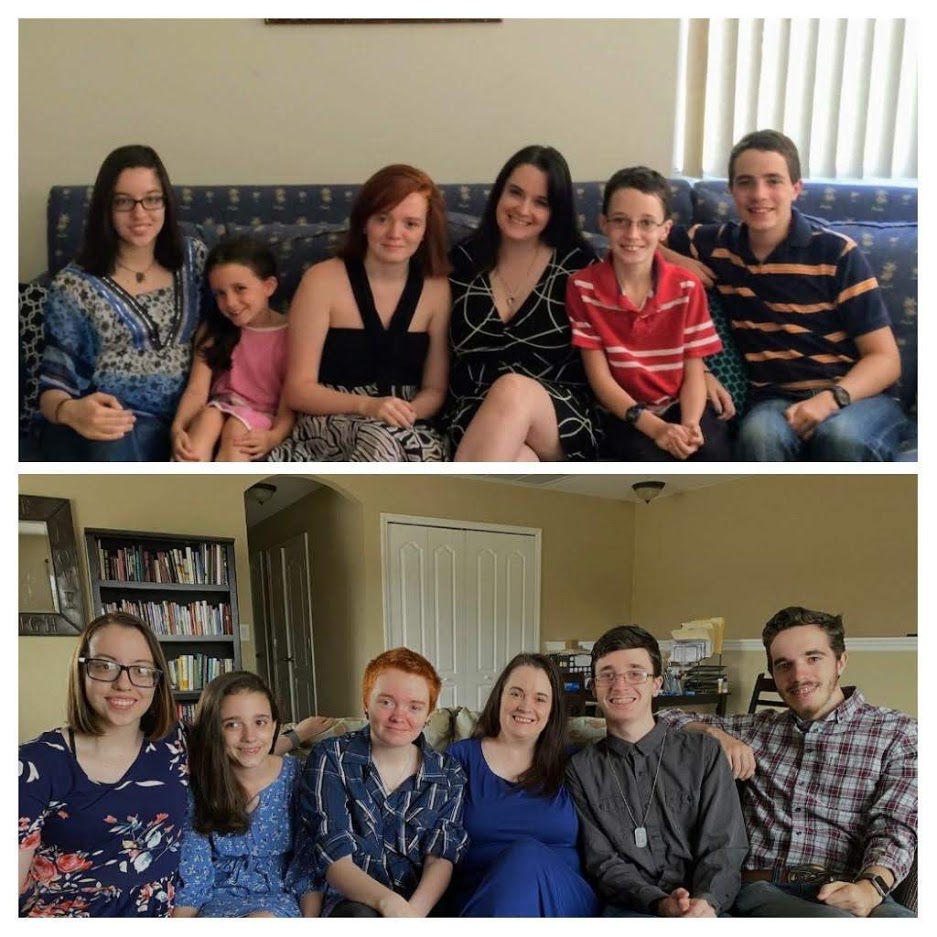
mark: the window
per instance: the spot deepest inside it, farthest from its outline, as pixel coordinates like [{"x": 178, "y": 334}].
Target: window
[{"x": 844, "y": 90}]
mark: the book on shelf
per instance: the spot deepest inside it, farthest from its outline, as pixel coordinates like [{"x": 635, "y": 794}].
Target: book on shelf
[
  {"x": 201, "y": 564},
  {"x": 190, "y": 672},
  {"x": 197, "y": 618}
]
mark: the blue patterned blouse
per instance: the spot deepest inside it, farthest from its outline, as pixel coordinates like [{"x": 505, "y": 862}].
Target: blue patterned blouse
[
  {"x": 232, "y": 875},
  {"x": 102, "y": 850},
  {"x": 347, "y": 812}
]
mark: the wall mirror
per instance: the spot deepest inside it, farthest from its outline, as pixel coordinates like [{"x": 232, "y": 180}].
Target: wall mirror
[{"x": 50, "y": 595}]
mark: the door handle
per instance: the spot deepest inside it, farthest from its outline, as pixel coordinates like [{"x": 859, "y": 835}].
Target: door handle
[{"x": 287, "y": 660}]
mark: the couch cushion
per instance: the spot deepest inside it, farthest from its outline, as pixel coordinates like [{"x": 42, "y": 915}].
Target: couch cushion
[
  {"x": 295, "y": 247},
  {"x": 728, "y": 366},
  {"x": 463, "y": 723},
  {"x": 32, "y": 297}
]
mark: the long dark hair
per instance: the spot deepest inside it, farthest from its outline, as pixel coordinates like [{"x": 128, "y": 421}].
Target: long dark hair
[
  {"x": 545, "y": 774},
  {"x": 99, "y": 247},
  {"x": 220, "y": 801},
  {"x": 217, "y": 342},
  {"x": 562, "y": 230}
]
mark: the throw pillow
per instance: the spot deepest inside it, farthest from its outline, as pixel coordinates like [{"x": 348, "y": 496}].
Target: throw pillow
[
  {"x": 728, "y": 366},
  {"x": 32, "y": 297}
]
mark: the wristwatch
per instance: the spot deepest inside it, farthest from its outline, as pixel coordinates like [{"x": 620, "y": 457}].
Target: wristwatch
[
  {"x": 293, "y": 736},
  {"x": 633, "y": 414},
  {"x": 878, "y": 883},
  {"x": 840, "y": 395}
]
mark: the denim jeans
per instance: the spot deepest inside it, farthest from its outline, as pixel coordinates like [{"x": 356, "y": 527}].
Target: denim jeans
[
  {"x": 148, "y": 441},
  {"x": 868, "y": 430},
  {"x": 764, "y": 899}
]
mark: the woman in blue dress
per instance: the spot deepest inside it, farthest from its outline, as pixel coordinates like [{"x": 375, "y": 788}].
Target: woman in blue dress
[
  {"x": 522, "y": 859},
  {"x": 102, "y": 800},
  {"x": 237, "y": 849}
]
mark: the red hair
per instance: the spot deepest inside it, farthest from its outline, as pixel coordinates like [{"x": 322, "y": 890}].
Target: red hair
[
  {"x": 401, "y": 658},
  {"x": 386, "y": 189}
]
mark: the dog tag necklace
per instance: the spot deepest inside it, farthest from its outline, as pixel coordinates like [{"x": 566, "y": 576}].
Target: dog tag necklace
[{"x": 640, "y": 832}]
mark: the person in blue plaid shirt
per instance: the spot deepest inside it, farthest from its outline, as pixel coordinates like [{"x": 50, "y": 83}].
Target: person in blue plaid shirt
[
  {"x": 830, "y": 801},
  {"x": 383, "y": 811}
]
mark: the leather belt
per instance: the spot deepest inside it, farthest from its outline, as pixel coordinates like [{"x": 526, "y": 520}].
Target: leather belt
[{"x": 795, "y": 875}]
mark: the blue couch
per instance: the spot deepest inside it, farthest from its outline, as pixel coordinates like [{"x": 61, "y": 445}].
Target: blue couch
[{"x": 304, "y": 223}]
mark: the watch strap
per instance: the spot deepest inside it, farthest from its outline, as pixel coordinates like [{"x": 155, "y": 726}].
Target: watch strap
[
  {"x": 293, "y": 736},
  {"x": 633, "y": 413},
  {"x": 878, "y": 882}
]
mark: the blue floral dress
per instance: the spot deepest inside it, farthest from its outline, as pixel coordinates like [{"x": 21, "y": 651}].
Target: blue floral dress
[
  {"x": 102, "y": 850},
  {"x": 234, "y": 874}
]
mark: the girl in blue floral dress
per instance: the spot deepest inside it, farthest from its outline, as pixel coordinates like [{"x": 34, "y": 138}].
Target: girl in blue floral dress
[
  {"x": 102, "y": 801},
  {"x": 237, "y": 851}
]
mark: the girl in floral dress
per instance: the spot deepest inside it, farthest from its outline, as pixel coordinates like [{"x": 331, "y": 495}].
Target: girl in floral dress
[
  {"x": 237, "y": 850},
  {"x": 102, "y": 800}
]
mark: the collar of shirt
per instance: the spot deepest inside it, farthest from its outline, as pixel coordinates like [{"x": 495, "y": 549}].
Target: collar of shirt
[
  {"x": 837, "y": 719},
  {"x": 358, "y": 751},
  {"x": 798, "y": 235},
  {"x": 607, "y": 285},
  {"x": 646, "y": 745}
]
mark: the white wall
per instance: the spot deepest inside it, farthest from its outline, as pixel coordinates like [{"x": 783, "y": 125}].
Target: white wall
[{"x": 237, "y": 101}]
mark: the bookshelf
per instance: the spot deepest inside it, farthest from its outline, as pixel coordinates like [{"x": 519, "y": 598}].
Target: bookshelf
[{"x": 184, "y": 587}]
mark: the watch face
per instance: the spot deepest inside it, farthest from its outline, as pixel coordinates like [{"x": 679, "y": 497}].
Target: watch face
[{"x": 841, "y": 395}]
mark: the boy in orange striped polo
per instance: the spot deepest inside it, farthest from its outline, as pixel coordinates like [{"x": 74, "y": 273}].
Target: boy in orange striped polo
[
  {"x": 806, "y": 313},
  {"x": 643, "y": 328}
]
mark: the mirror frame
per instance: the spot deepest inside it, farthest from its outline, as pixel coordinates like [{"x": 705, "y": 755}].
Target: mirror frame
[{"x": 57, "y": 514}]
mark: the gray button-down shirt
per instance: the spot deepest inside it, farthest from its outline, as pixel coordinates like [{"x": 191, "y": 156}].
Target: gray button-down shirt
[{"x": 695, "y": 832}]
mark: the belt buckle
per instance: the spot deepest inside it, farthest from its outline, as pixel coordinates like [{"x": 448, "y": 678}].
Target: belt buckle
[{"x": 809, "y": 875}]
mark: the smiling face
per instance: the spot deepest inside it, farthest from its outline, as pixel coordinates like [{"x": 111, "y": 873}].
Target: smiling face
[
  {"x": 241, "y": 295},
  {"x": 247, "y": 727},
  {"x": 806, "y": 671},
  {"x": 764, "y": 194},
  {"x": 523, "y": 211},
  {"x": 397, "y": 708},
  {"x": 635, "y": 226},
  {"x": 120, "y": 703},
  {"x": 140, "y": 226},
  {"x": 395, "y": 235},
  {"x": 526, "y": 702},
  {"x": 626, "y": 704}
]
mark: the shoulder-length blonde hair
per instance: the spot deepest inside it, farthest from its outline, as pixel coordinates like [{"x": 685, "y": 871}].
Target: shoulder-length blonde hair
[{"x": 158, "y": 720}]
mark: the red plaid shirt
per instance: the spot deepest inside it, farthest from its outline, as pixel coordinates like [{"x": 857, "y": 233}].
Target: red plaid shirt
[{"x": 842, "y": 794}]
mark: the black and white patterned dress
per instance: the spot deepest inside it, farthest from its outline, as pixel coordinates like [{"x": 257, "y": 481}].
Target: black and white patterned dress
[
  {"x": 536, "y": 342},
  {"x": 377, "y": 362}
]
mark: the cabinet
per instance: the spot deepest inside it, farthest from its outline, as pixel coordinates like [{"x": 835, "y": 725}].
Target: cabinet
[{"x": 184, "y": 588}]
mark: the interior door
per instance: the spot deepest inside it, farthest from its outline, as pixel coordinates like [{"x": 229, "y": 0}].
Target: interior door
[
  {"x": 296, "y": 589},
  {"x": 280, "y": 645}
]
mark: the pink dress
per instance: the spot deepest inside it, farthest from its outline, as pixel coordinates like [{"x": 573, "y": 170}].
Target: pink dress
[{"x": 250, "y": 390}]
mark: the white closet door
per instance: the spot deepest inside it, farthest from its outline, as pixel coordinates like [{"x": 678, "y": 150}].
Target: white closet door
[{"x": 468, "y": 600}]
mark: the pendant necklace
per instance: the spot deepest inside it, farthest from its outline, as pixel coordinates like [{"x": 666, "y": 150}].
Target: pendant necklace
[
  {"x": 512, "y": 294},
  {"x": 139, "y": 274},
  {"x": 640, "y": 832}
]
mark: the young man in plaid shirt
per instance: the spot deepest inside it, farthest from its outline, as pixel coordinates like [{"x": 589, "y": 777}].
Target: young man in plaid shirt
[{"x": 831, "y": 795}]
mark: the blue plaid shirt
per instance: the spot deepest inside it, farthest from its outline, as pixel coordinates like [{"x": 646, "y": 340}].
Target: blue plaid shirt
[{"x": 346, "y": 812}]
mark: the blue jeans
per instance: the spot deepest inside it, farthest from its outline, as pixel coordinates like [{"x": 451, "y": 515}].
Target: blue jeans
[
  {"x": 148, "y": 441},
  {"x": 765, "y": 899},
  {"x": 868, "y": 430}
]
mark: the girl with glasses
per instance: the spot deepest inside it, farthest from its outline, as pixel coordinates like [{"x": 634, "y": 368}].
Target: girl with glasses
[
  {"x": 102, "y": 800},
  {"x": 237, "y": 848},
  {"x": 119, "y": 320}
]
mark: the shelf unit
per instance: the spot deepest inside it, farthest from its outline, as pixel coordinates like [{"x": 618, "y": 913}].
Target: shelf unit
[{"x": 195, "y": 619}]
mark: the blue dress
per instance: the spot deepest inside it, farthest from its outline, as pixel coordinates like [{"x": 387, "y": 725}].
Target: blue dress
[
  {"x": 235, "y": 874},
  {"x": 522, "y": 859},
  {"x": 102, "y": 850}
]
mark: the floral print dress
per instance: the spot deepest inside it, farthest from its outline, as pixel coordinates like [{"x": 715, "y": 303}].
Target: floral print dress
[{"x": 102, "y": 850}]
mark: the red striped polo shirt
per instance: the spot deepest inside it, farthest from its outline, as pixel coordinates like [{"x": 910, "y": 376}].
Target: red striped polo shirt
[{"x": 645, "y": 348}]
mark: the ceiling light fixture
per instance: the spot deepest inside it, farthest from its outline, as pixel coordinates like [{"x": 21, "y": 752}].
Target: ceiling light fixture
[
  {"x": 647, "y": 491},
  {"x": 261, "y": 493}
]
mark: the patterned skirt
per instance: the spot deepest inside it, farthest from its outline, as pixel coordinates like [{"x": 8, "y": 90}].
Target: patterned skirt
[{"x": 346, "y": 437}]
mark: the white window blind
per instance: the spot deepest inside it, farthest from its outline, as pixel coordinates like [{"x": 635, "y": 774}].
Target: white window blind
[{"x": 844, "y": 90}]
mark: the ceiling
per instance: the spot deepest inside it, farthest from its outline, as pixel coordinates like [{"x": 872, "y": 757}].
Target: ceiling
[
  {"x": 289, "y": 489},
  {"x": 617, "y": 487}
]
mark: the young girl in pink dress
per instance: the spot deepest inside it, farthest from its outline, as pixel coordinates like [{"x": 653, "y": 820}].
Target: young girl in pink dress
[{"x": 232, "y": 401}]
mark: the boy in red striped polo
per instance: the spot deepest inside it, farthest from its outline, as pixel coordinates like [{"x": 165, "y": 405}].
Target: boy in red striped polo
[{"x": 643, "y": 327}]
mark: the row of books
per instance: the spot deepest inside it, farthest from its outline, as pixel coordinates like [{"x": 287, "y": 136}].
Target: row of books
[
  {"x": 194, "y": 671},
  {"x": 198, "y": 564},
  {"x": 189, "y": 618},
  {"x": 186, "y": 712}
]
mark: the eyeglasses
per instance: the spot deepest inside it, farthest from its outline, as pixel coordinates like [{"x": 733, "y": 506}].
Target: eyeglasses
[
  {"x": 108, "y": 671},
  {"x": 632, "y": 677},
  {"x": 644, "y": 225},
  {"x": 149, "y": 202}
]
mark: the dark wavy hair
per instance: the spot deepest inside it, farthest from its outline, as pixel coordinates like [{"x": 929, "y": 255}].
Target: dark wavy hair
[
  {"x": 626, "y": 638},
  {"x": 794, "y": 616},
  {"x": 161, "y": 715},
  {"x": 768, "y": 141},
  {"x": 217, "y": 342},
  {"x": 646, "y": 180},
  {"x": 562, "y": 230},
  {"x": 220, "y": 801},
  {"x": 99, "y": 246},
  {"x": 545, "y": 775}
]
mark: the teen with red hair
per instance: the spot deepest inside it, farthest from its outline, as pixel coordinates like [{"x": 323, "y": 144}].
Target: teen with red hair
[
  {"x": 382, "y": 811},
  {"x": 368, "y": 350}
]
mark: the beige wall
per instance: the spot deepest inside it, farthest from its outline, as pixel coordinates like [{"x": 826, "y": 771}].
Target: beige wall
[{"x": 235, "y": 101}]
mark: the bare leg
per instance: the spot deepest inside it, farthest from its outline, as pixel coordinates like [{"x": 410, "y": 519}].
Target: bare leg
[
  {"x": 204, "y": 431},
  {"x": 516, "y": 419},
  {"x": 233, "y": 429}
]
